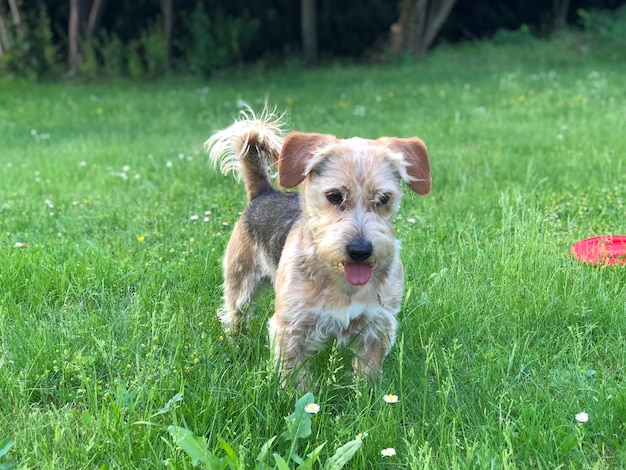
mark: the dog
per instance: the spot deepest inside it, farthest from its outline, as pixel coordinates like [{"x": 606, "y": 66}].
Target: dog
[{"x": 329, "y": 247}]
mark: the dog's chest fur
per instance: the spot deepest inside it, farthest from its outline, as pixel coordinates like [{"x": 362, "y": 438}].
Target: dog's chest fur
[{"x": 343, "y": 323}]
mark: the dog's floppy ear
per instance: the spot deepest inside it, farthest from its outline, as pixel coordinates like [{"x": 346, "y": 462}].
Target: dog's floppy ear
[
  {"x": 416, "y": 159},
  {"x": 297, "y": 151}
]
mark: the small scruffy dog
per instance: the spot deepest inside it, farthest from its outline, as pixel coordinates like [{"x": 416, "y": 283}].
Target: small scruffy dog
[{"x": 328, "y": 249}]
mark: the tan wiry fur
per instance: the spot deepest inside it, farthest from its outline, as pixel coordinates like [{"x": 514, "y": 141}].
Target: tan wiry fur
[{"x": 330, "y": 251}]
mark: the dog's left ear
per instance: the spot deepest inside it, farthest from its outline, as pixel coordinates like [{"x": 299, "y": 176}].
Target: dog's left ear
[
  {"x": 298, "y": 149},
  {"x": 416, "y": 159}
]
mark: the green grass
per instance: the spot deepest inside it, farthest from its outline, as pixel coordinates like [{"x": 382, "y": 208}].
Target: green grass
[{"x": 108, "y": 311}]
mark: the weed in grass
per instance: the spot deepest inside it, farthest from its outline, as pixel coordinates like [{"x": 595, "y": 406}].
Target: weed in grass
[
  {"x": 299, "y": 427},
  {"x": 5, "y": 447}
]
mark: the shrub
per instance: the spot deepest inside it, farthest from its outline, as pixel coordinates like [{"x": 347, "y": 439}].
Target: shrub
[
  {"x": 154, "y": 50},
  {"x": 89, "y": 67},
  {"x": 34, "y": 55},
  {"x": 134, "y": 62},
  {"x": 523, "y": 35},
  {"x": 605, "y": 24},
  {"x": 106, "y": 56},
  {"x": 112, "y": 54},
  {"x": 607, "y": 29},
  {"x": 211, "y": 45}
]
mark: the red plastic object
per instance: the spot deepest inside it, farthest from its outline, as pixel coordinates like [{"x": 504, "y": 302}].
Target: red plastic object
[{"x": 607, "y": 250}]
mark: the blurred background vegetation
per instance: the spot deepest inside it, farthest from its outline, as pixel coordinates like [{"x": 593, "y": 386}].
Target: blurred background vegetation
[{"x": 146, "y": 39}]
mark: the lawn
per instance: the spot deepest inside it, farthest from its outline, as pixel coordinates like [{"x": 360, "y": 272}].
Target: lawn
[{"x": 113, "y": 225}]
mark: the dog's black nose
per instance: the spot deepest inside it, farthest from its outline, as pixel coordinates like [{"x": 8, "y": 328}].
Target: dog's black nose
[{"x": 359, "y": 250}]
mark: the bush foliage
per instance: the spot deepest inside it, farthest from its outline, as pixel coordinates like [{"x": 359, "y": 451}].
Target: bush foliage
[{"x": 206, "y": 37}]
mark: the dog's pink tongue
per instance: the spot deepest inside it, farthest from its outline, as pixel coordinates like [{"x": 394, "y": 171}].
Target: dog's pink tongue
[{"x": 357, "y": 274}]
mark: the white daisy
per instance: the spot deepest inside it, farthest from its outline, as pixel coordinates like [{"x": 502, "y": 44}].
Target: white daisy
[
  {"x": 388, "y": 452},
  {"x": 582, "y": 417},
  {"x": 391, "y": 398},
  {"x": 312, "y": 408}
]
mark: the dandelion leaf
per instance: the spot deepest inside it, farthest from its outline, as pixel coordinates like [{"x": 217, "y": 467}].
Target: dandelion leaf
[
  {"x": 169, "y": 405},
  {"x": 311, "y": 458},
  {"x": 299, "y": 422},
  {"x": 280, "y": 463},
  {"x": 343, "y": 455},
  {"x": 195, "y": 447},
  {"x": 231, "y": 455},
  {"x": 5, "y": 446},
  {"x": 260, "y": 465}
]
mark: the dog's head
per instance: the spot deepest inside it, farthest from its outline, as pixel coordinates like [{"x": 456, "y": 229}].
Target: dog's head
[{"x": 351, "y": 192}]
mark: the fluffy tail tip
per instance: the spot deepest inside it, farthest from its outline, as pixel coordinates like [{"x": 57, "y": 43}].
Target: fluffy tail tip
[{"x": 229, "y": 146}]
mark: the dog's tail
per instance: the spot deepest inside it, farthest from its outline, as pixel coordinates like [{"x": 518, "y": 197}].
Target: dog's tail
[{"x": 248, "y": 147}]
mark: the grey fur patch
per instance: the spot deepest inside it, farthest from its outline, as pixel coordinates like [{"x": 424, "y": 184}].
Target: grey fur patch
[{"x": 269, "y": 218}]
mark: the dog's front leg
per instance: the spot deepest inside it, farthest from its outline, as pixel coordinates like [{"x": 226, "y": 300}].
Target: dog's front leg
[
  {"x": 372, "y": 345},
  {"x": 292, "y": 346}
]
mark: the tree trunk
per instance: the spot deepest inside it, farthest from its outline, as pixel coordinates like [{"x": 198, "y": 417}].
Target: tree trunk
[
  {"x": 5, "y": 43},
  {"x": 560, "y": 9},
  {"x": 17, "y": 21},
  {"x": 73, "y": 57},
  {"x": 418, "y": 24},
  {"x": 95, "y": 15},
  {"x": 168, "y": 21},
  {"x": 309, "y": 32},
  {"x": 436, "y": 18}
]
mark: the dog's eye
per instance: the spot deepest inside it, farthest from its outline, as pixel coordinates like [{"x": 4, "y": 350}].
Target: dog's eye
[
  {"x": 384, "y": 199},
  {"x": 334, "y": 197}
]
